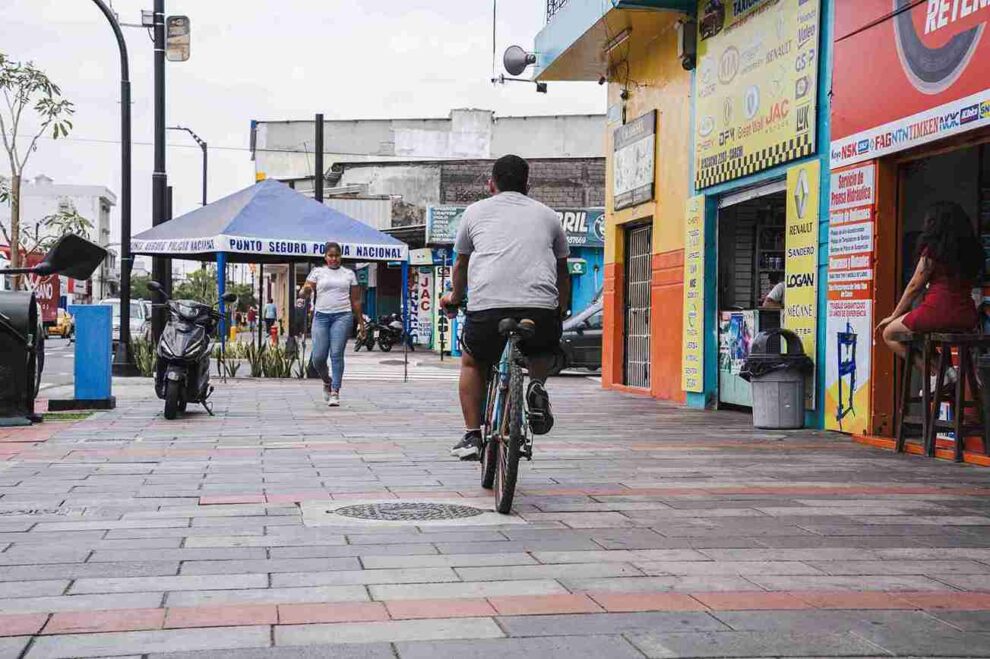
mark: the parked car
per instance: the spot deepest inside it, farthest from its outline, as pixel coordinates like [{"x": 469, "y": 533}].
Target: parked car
[
  {"x": 582, "y": 338},
  {"x": 64, "y": 325},
  {"x": 140, "y": 318}
]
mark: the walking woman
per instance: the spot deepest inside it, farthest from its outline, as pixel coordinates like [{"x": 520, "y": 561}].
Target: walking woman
[
  {"x": 950, "y": 264},
  {"x": 337, "y": 305}
]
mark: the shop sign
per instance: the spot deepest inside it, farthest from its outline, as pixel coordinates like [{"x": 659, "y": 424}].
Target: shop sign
[
  {"x": 908, "y": 77},
  {"x": 693, "y": 336},
  {"x": 800, "y": 313},
  {"x": 849, "y": 323},
  {"x": 584, "y": 227},
  {"x": 633, "y": 166},
  {"x": 47, "y": 291},
  {"x": 756, "y": 88},
  {"x": 577, "y": 266},
  {"x": 421, "y": 297},
  {"x": 441, "y": 324}
]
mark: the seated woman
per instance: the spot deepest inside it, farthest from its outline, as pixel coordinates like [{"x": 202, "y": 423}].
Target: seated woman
[{"x": 950, "y": 265}]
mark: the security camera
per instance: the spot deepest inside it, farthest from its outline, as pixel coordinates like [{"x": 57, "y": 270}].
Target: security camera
[
  {"x": 541, "y": 88},
  {"x": 624, "y": 94},
  {"x": 688, "y": 62},
  {"x": 602, "y": 80}
]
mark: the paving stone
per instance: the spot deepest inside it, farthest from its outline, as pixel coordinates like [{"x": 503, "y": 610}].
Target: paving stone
[
  {"x": 446, "y": 560},
  {"x": 392, "y": 631},
  {"x": 191, "y": 582},
  {"x": 439, "y": 608},
  {"x": 752, "y": 644},
  {"x": 13, "y": 648},
  {"x": 32, "y": 588},
  {"x": 303, "y": 614},
  {"x": 175, "y": 640},
  {"x": 269, "y": 566},
  {"x": 571, "y": 571},
  {"x": 465, "y": 589},
  {"x": 267, "y": 596},
  {"x": 105, "y": 621},
  {"x": 345, "y": 577},
  {"x": 81, "y": 602},
  {"x": 590, "y": 624},
  {"x": 894, "y": 583},
  {"x": 336, "y": 651},
  {"x": 88, "y": 570},
  {"x": 543, "y": 604},
  {"x": 221, "y": 616},
  {"x": 587, "y": 647},
  {"x": 21, "y": 624},
  {"x": 686, "y": 568}
]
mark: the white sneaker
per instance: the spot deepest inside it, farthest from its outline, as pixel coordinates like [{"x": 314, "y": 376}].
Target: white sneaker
[
  {"x": 326, "y": 393},
  {"x": 333, "y": 400}
]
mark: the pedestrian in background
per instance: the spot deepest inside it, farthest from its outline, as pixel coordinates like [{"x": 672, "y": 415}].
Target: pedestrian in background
[
  {"x": 271, "y": 315},
  {"x": 337, "y": 305},
  {"x": 252, "y": 317}
]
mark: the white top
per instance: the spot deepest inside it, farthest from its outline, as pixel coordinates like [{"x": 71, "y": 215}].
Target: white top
[
  {"x": 777, "y": 293},
  {"x": 514, "y": 243},
  {"x": 333, "y": 288}
]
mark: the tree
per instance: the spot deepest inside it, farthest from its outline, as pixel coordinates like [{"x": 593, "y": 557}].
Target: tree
[
  {"x": 25, "y": 87},
  {"x": 201, "y": 285},
  {"x": 139, "y": 288}
]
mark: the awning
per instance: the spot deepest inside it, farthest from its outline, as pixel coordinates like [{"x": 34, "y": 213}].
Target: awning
[{"x": 268, "y": 222}]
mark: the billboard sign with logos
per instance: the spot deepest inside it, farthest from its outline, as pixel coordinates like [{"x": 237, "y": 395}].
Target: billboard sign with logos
[
  {"x": 756, "y": 86},
  {"x": 907, "y": 77},
  {"x": 585, "y": 227}
]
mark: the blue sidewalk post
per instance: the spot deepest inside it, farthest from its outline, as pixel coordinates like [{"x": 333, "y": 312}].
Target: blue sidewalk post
[
  {"x": 221, "y": 289},
  {"x": 94, "y": 356}
]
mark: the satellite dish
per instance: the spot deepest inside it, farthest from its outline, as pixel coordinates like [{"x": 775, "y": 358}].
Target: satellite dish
[{"x": 516, "y": 60}]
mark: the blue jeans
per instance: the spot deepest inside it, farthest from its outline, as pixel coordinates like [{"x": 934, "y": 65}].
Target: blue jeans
[{"x": 330, "y": 334}]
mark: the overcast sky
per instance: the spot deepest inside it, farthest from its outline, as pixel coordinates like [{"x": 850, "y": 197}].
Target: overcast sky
[{"x": 260, "y": 59}]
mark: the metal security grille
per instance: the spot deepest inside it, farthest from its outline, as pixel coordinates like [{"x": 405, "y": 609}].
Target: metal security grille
[
  {"x": 553, "y": 6},
  {"x": 638, "y": 274},
  {"x": 408, "y": 511}
]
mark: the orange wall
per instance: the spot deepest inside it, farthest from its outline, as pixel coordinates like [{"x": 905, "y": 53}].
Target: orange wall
[{"x": 656, "y": 81}]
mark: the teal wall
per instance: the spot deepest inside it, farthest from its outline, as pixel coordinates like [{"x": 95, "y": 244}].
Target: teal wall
[{"x": 709, "y": 397}]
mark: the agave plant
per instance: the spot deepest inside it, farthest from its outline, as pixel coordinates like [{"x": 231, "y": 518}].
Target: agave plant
[
  {"x": 276, "y": 363},
  {"x": 255, "y": 357},
  {"x": 144, "y": 356}
]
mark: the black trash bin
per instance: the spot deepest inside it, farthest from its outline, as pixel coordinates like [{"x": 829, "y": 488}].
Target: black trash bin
[
  {"x": 22, "y": 354},
  {"x": 777, "y": 379}
]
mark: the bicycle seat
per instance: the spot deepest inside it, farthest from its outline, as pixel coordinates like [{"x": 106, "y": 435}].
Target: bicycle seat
[{"x": 524, "y": 328}]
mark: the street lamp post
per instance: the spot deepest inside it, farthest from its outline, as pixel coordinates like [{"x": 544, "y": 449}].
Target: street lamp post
[
  {"x": 123, "y": 360},
  {"x": 202, "y": 145}
]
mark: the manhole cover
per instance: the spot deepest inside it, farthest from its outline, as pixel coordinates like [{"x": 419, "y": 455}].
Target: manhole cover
[{"x": 408, "y": 511}]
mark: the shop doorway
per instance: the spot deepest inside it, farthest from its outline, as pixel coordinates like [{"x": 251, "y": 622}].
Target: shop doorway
[
  {"x": 750, "y": 247},
  {"x": 639, "y": 272},
  {"x": 961, "y": 176}
]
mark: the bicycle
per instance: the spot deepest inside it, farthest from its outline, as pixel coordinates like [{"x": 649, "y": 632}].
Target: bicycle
[{"x": 505, "y": 428}]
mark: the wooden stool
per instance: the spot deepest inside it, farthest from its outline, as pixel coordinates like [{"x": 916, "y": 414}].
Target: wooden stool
[
  {"x": 966, "y": 383},
  {"x": 917, "y": 344}
]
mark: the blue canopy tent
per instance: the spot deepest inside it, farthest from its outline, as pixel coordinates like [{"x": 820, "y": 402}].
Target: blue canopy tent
[{"x": 269, "y": 222}]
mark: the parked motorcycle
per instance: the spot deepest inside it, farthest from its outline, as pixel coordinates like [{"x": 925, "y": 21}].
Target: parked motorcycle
[
  {"x": 367, "y": 340},
  {"x": 182, "y": 372},
  {"x": 391, "y": 332}
]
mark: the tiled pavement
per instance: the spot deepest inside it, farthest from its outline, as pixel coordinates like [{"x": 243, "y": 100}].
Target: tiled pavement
[{"x": 647, "y": 530}]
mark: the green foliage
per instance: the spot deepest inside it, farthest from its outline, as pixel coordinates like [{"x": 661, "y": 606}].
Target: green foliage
[
  {"x": 201, "y": 285},
  {"x": 254, "y": 356},
  {"x": 139, "y": 288},
  {"x": 277, "y": 363},
  {"x": 144, "y": 356}
]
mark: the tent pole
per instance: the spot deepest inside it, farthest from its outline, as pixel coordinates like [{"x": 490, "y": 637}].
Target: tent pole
[
  {"x": 405, "y": 320},
  {"x": 261, "y": 302},
  {"x": 221, "y": 290}
]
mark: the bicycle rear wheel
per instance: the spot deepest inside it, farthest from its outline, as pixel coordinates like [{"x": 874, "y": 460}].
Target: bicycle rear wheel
[
  {"x": 510, "y": 440},
  {"x": 489, "y": 452}
]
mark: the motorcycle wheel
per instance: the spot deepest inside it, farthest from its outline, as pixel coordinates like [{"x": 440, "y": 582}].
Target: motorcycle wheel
[
  {"x": 385, "y": 345},
  {"x": 172, "y": 395}
]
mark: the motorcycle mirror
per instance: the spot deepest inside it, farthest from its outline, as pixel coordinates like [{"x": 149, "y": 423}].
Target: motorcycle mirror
[
  {"x": 230, "y": 298},
  {"x": 154, "y": 286},
  {"x": 72, "y": 256}
]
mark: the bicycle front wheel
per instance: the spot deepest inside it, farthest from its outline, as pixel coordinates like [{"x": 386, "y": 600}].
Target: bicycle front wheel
[{"x": 510, "y": 440}]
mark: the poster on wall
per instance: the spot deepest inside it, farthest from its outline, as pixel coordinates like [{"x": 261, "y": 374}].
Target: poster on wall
[
  {"x": 756, "y": 86},
  {"x": 849, "y": 325},
  {"x": 800, "y": 313},
  {"x": 424, "y": 307},
  {"x": 907, "y": 77},
  {"x": 634, "y": 148},
  {"x": 693, "y": 338},
  {"x": 441, "y": 324}
]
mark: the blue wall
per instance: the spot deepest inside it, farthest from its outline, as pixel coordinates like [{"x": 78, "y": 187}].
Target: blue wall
[{"x": 586, "y": 286}]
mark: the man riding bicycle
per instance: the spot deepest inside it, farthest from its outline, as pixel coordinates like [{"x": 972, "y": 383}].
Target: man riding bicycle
[{"x": 512, "y": 256}]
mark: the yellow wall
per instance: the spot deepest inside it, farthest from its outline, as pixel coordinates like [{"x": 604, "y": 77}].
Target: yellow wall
[{"x": 656, "y": 80}]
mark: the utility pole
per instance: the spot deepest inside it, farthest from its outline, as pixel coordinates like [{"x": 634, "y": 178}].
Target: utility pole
[
  {"x": 123, "y": 359},
  {"x": 161, "y": 267}
]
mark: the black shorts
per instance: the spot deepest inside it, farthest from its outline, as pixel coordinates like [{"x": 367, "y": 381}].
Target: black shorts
[{"x": 482, "y": 341}]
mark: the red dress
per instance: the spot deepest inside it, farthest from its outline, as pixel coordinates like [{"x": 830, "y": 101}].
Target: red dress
[{"x": 948, "y": 304}]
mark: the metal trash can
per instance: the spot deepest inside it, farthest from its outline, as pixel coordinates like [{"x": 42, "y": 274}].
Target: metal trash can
[
  {"x": 777, "y": 379},
  {"x": 22, "y": 357}
]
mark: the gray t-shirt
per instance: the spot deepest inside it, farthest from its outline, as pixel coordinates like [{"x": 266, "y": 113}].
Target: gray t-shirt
[{"x": 514, "y": 243}]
